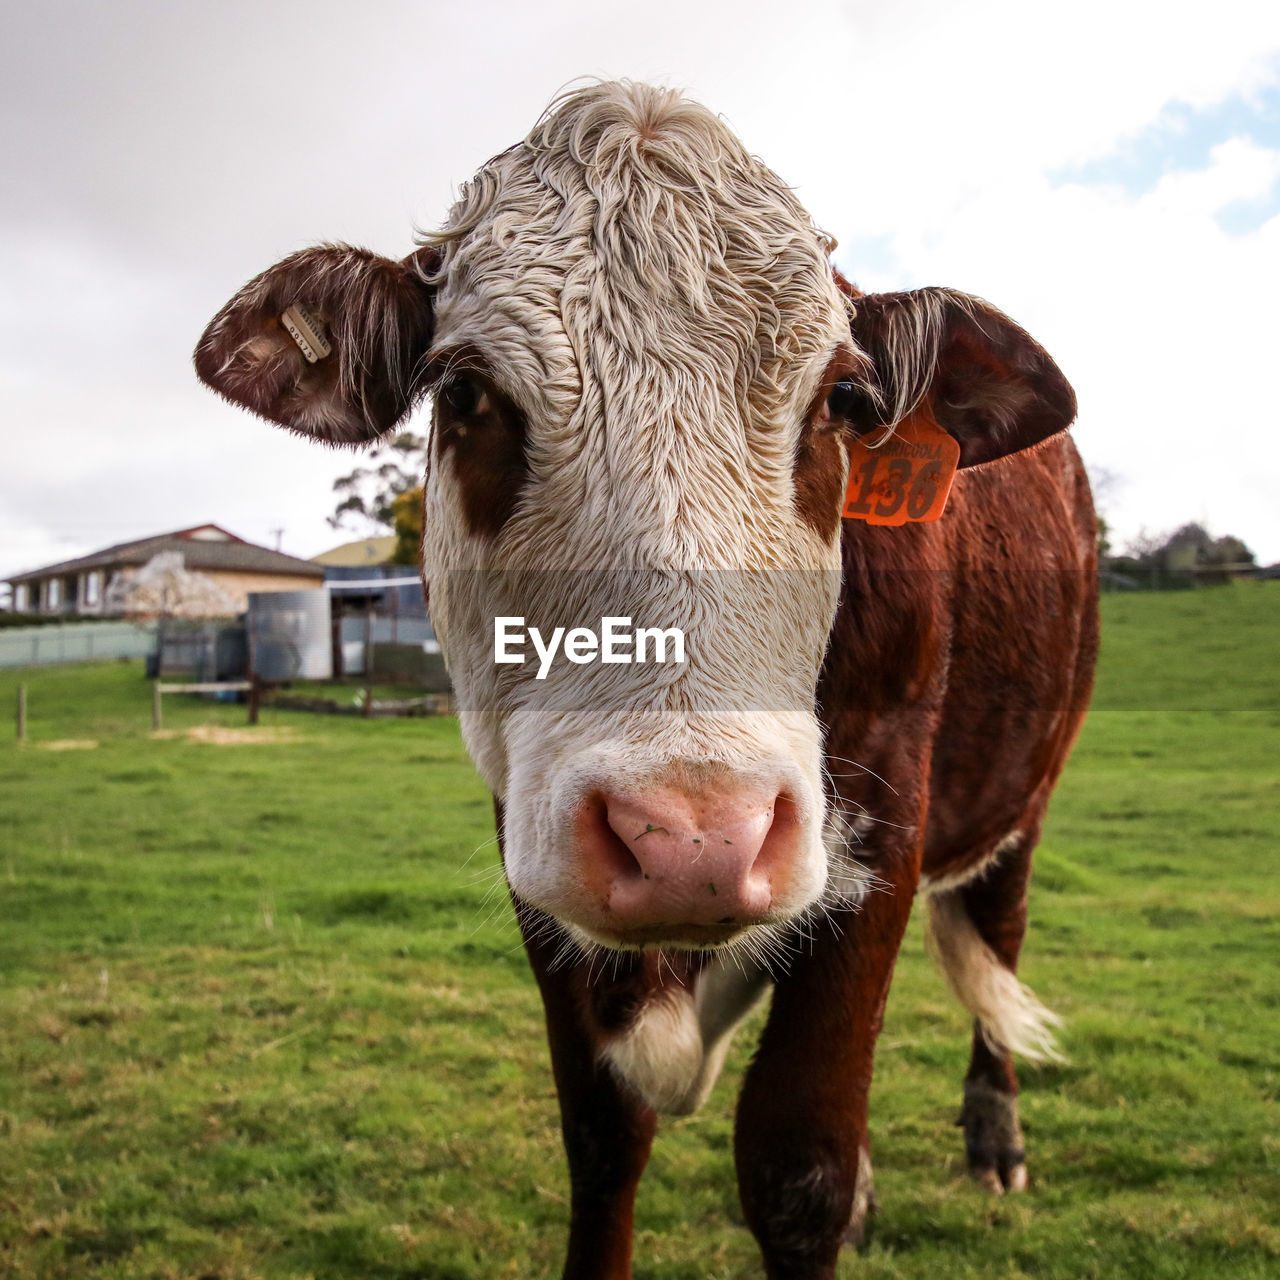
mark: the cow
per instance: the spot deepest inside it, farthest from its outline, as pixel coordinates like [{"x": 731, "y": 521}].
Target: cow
[{"x": 650, "y": 388}]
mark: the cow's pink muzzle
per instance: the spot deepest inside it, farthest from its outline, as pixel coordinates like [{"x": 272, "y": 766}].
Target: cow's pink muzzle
[{"x": 669, "y": 866}]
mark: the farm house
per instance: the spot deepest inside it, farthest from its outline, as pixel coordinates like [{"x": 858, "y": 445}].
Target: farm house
[{"x": 220, "y": 570}]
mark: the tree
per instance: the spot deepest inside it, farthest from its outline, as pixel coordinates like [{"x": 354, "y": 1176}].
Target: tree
[
  {"x": 1229, "y": 550},
  {"x": 369, "y": 493},
  {"x": 1189, "y": 553},
  {"x": 1103, "y": 482},
  {"x": 165, "y": 588},
  {"x": 406, "y": 512},
  {"x": 1143, "y": 548},
  {"x": 1192, "y": 544},
  {"x": 1104, "y": 538}
]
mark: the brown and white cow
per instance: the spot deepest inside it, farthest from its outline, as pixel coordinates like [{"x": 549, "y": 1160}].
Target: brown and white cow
[{"x": 648, "y": 382}]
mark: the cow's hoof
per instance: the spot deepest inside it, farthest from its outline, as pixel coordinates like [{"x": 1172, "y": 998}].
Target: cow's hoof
[
  {"x": 993, "y": 1138},
  {"x": 865, "y": 1204},
  {"x": 997, "y": 1181}
]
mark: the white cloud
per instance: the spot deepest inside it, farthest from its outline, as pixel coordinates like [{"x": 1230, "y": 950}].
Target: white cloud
[{"x": 1159, "y": 317}]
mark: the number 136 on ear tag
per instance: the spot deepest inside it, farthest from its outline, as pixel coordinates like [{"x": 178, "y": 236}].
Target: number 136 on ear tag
[{"x": 906, "y": 479}]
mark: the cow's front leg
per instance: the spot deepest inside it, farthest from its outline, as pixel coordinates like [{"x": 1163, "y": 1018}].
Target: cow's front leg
[
  {"x": 607, "y": 1135},
  {"x": 804, "y": 1166},
  {"x": 607, "y": 1129}
]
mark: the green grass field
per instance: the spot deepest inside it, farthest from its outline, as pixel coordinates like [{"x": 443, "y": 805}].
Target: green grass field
[{"x": 261, "y": 1020}]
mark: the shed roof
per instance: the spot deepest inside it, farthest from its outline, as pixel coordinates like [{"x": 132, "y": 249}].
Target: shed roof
[{"x": 364, "y": 551}]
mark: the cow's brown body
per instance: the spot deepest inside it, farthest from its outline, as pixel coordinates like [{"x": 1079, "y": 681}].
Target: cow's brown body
[
  {"x": 644, "y": 362},
  {"x": 958, "y": 674}
]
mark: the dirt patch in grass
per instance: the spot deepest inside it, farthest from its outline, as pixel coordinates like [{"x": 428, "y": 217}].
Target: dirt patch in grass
[
  {"x": 68, "y": 744},
  {"x": 221, "y": 736}
]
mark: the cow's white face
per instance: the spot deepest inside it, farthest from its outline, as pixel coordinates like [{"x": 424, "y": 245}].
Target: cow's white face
[
  {"x": 635, "y": 328},
  {"x": 645, "y": 378}
]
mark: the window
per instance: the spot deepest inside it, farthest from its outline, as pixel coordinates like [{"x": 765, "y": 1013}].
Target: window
[
  {"x": 53, "y": 594},
  {"x": 92, "y": 587},
  {"x": 20, "y": 598}
]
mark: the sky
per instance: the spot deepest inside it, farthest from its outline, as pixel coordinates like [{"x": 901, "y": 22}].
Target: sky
[{"x": 1107, "y": 172}]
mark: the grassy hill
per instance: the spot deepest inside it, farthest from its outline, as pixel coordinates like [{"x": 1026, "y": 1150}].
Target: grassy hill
[{"x": 266, "y": 1012}]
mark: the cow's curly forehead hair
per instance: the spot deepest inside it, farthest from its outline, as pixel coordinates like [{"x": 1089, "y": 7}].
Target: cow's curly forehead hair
[{"x": 642, "y": 221}]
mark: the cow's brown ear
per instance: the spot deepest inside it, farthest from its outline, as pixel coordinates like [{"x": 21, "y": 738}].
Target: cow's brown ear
[
  {"x": 987, "y": 381},
  {"x": 329, "y": 343}
]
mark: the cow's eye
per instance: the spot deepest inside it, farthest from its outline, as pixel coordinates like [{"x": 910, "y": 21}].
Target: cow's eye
[
  {"x": 463, "y": 395},
  {"x": 843, "y": 399}
]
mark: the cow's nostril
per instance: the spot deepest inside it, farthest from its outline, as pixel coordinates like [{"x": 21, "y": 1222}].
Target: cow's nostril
[
  {"x": 612, "y": 861},
  {"x": 778, "y": 846}
]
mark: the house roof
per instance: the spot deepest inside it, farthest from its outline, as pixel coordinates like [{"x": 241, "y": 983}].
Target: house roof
[{"x": 204, "y": 547}]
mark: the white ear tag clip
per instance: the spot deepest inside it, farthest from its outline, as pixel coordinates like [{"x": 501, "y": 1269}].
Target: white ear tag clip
[{"x": 307, "y": 332}]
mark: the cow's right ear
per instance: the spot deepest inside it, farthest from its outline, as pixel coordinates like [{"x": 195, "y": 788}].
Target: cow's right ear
[{"x": 330, "y": 343}]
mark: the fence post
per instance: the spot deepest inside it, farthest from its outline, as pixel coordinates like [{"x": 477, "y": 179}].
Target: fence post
[
  {"x": 368, "y": 660},
  {"x": 22, "y": 713},
  {"x": 155, "y": 704}
]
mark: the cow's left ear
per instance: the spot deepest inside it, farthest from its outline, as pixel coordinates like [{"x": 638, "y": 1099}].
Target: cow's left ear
[
  {"x": 330, "y": 342},
  {"x": 985, "y": 379}
]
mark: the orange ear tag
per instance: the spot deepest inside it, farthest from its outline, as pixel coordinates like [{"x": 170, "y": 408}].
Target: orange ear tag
[{"x": 906, "y": 479}]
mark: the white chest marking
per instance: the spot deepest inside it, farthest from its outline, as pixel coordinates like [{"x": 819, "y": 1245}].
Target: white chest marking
[{"x": 673, "y": 1052}]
